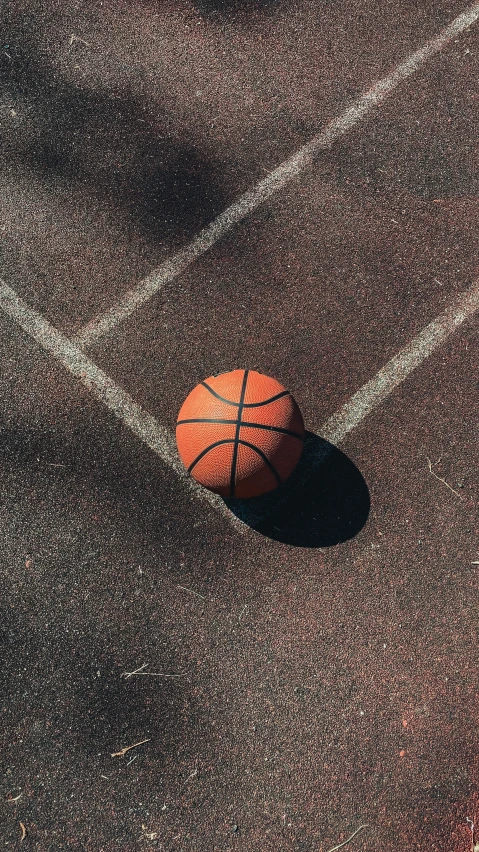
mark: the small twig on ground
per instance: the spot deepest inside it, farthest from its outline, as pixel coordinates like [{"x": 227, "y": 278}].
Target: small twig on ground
[
  {"x": 24, "y": 832},
  {"x": 242, "y": 611},
  {"x": 128, "y": 748},
  {"x": 474, "y": 845},
  {"x": 430, "y": 465},
  {"x": 160, "y": 674},
  {"x": 126, "y": 675},
  {"x": 149, "y": 835},
  {"x": 348, "y": 839},
  {"x": 191, "y": 592},
  {"x": 74, "y": 37},
  {"x": 11, "y": 800},
  {"x": 140, "y": 671},
  {"x": 192, "y": 775}
]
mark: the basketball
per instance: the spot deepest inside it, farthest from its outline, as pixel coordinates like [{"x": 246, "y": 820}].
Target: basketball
[{"x": 240, "y": 434}]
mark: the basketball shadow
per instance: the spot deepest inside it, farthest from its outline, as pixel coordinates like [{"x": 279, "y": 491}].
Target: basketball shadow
[{"x": 324, "y": 502}]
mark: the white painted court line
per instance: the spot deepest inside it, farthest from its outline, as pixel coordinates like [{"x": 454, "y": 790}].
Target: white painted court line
[
  {"x": 161, "y": 441},
  {"x": 277, "y": 179},
  {"x": 400, "y": 366},
  {"x": 104, "y": 388},
  {"x": 367, "y": 398}
]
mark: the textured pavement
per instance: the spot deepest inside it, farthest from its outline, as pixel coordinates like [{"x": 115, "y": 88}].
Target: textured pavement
[{"x": 322, "y": 675}]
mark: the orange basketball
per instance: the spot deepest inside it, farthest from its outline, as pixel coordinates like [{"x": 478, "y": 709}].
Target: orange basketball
[{"x": 240, "y": 434}]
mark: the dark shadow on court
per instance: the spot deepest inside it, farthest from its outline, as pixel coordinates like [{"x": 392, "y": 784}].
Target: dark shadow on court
[
  {"x": 85, "y": 708},
  {"x": 324, "y": 502},
  {"x": 235, "y": 7},
  {"x": 111, "y": 144}
]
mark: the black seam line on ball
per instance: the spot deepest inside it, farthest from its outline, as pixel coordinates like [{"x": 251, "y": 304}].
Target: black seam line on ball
[
  {"x": 246, "y": 404},
  {"x": 244, "y": 423},
  {"x": 267, "y": 401},
  {"x": 238, "y": 429},
  {"x": 263, "y": 456},
  {"x": 207, "y": 449},
  {"x": 245, "y": 444}
]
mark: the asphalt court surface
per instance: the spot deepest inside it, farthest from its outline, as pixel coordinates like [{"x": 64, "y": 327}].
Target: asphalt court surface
[
  {"x": 316, "y": 688},
  {"x": 339, "y": 270},
  {"x": 125, "y": 160}
]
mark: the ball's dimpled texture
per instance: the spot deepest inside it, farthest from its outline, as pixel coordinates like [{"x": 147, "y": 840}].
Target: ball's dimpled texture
[{"x": 222, "y": 451}]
